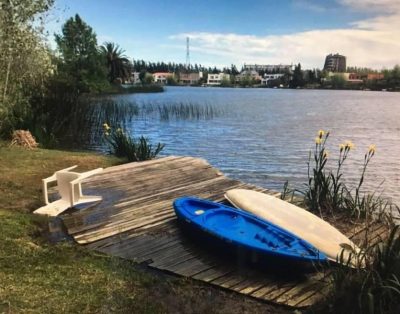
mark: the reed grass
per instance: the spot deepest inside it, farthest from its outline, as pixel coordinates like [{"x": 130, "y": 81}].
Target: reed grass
[
  {"x": 124, "y": 146},
  {"x": 181, "y": 111},
  {"x": 75, "y": 122},
  {"x": 326, "y": 191},
  {"x": 373, "y": 286}
]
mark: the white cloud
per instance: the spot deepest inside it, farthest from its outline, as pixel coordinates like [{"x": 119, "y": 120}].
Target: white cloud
[
  {"x": 372, "y": 5},
  {"x": 373, "y": 42}
]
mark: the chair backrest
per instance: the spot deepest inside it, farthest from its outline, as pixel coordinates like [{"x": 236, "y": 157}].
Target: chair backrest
[{"x": 63, "y": 182}]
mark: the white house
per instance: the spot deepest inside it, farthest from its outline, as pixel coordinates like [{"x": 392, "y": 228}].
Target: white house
[
  {"x": 135, "y": 78},
  {"x": 161, "y": 77},
  {"x": 270, "y": 77},
  {"x": 216, "y": 79}
]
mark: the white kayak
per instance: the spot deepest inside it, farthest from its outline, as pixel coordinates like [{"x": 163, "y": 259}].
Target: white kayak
[{"x": 296, "y": 220}]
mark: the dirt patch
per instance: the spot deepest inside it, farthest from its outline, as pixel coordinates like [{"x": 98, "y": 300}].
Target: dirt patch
[{"x": 187, "y": 296}]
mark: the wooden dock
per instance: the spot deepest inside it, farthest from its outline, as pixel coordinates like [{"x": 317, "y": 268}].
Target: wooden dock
[{"x": 136, "y": 221}]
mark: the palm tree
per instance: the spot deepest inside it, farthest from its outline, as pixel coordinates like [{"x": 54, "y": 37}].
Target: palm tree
[{"x": 117, "y": 63}]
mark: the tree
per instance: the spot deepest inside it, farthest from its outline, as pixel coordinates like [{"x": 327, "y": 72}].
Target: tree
[
  {"x": 392, "y": 78},
  {"x": 117, "y": 63},
  {"x": 148, "y": 78},
  {"x": 297, "y": 80},
  {"x": 25, "y": 61},
  {"x": 338, "y": 81},
  {"x": 172, "y": 80},
  {"x": 226, "y": 82},
  {"x": 246, "y": 80},
  {"x": 142, "y": 74},
  {"x": 234, "y": 70},
  {"x": 80, "y": 59}
]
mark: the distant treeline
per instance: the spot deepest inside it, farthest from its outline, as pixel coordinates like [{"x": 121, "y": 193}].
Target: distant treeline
[{"x": 172, "y": 67}]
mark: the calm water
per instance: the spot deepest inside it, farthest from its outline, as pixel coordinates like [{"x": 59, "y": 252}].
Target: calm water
[{"x": 264, "y": 135}]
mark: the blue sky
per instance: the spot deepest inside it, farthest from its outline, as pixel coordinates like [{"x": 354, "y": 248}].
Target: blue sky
[{"x": 224, "y": 32}]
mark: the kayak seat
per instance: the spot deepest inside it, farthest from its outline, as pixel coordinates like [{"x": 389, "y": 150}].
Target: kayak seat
[
  {"x": 269, "y": 239},
  {"x": 274, "y": 239}
]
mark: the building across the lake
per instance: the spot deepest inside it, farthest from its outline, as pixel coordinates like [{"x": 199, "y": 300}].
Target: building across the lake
[
  {"x": 162, "y": 77},
  {"x": 190, "y": 78},
  {"x": 217, "y": 79},
  {"x": 135, "y": 78},
  {"x": 270, "y": 77},
  {"x": 335, "y": 63}
]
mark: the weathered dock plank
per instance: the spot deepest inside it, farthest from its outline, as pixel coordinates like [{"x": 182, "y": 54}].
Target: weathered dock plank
[{"x": 136, "y": 221}]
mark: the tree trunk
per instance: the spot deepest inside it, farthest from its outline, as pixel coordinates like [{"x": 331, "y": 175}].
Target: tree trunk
[{"x": 7, "y": 78}]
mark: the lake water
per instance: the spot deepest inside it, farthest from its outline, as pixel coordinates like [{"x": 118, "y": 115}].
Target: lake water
[{"x": 264, "y": 135}]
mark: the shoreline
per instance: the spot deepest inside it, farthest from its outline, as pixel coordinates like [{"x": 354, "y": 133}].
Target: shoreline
[{"x": 284, "y": 88}]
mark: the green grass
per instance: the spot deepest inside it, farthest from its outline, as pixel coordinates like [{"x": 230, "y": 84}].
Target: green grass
[{"x": 39, "y": 277}]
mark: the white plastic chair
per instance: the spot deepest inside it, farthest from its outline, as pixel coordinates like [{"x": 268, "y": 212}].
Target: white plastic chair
[{"x": 70, "y": 189}]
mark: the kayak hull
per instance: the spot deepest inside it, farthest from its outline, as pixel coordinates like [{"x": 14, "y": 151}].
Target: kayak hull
[{"x": 236, "y": 230}]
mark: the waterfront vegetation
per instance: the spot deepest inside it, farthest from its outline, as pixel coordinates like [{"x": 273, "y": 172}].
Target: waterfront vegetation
[
  {"x": 182, "y": 111},
  {"x": 373, "y": 287},
  {"x": 326, "y": 190},
  {"x": 43, "y": 90},
  {"x": 123, "y": 145}
]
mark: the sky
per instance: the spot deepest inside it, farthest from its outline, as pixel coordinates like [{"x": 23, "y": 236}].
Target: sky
[{"x": 225, "y": 32}]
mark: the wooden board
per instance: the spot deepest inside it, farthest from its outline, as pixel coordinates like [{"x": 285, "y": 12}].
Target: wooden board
[{"x": 136, "y": 221}]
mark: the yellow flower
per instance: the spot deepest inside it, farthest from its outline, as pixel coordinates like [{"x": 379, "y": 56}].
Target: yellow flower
[
  {"x": 372, "y": 148},
  {"x": 349, "y": 145},
  {"x": 341, "y": 147},
  {"x": 321, "y": 133},
  {"x": 326, "y": 154},
  {"x": 106, "y": 134},
  {"x": 106, "y": 127},
  {"x": 318, "y": 140}
]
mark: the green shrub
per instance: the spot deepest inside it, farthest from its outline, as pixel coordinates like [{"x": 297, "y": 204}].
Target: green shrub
[{"x": 124, "y": 146}]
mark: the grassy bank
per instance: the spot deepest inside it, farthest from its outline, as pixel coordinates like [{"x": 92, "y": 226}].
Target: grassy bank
[{"x": 39, "y": 277}]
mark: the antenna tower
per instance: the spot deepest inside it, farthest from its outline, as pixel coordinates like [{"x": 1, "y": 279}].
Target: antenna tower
[{"x": 187, "y": 54}]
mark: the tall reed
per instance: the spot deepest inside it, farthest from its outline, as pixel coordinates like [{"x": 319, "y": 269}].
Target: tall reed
[
  {"x": 125, "y": 146},
  {"x": 181, "y": 111},
  {"x": 326, "y": 190}
]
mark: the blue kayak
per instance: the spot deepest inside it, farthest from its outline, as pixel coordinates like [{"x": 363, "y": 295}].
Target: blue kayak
[{"x": 240, "y": 229}]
